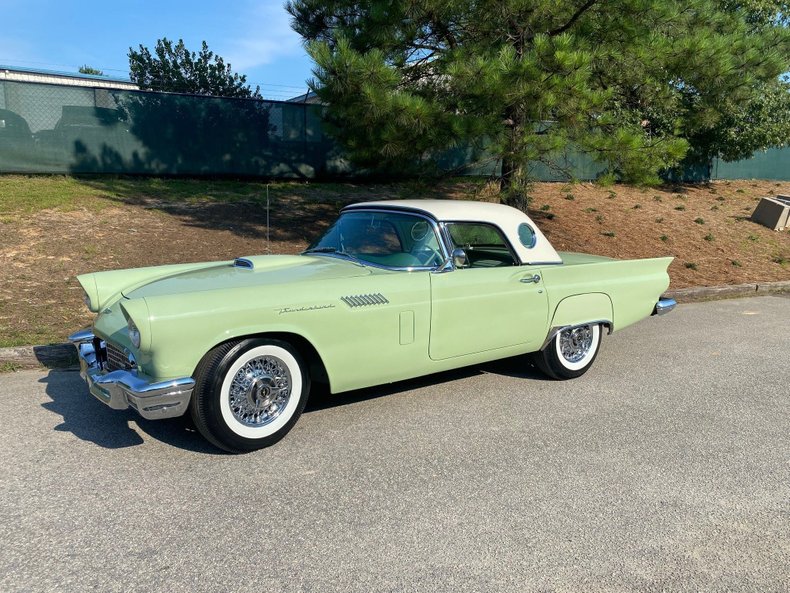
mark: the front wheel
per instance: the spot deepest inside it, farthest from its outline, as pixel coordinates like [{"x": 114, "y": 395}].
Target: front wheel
[
  {"x": 571, "y": 352},
  {"x": 249, "y": 394}
]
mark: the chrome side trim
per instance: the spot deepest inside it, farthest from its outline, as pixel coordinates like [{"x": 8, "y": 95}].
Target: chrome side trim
[
  {"x": 123, "y": 389},
  {"x": 366, "y": 264},
  {"x": 558, "y": 328},
  {"x": 664, "y": 306}
]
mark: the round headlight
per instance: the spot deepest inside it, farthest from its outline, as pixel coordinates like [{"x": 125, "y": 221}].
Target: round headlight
[{"x": 134, "y": 333}]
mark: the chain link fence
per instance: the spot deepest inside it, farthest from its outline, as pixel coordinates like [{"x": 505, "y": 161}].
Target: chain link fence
[{"x": 49, "y": 128}]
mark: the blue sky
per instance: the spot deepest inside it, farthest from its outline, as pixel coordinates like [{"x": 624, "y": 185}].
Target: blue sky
[{"x": 253, "y": 35}]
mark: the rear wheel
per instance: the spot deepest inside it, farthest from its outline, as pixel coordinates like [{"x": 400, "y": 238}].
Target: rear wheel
[
  {"x": 249, "y": 394},
  {"x": 571, "y": 352}
]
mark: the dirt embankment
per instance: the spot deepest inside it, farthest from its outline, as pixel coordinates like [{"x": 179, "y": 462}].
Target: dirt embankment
[{"x": 112, "y": 224}]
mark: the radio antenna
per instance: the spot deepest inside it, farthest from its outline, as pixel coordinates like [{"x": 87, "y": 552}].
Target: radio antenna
[{"x": 268, "y": 241}]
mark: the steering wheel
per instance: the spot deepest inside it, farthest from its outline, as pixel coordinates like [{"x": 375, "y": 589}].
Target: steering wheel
[{"x": 428, "y": 256}]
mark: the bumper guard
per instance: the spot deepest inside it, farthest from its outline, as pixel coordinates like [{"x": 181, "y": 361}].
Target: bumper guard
[
  {"x": 664, "y": 306},
  {"x": 123, "y": 389}
]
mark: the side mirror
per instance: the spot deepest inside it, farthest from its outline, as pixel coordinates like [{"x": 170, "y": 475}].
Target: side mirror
[{"x": 459, "y": 258}]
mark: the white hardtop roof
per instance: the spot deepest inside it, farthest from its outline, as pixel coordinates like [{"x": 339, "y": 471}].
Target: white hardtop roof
[{"x": 508, "y": 219}]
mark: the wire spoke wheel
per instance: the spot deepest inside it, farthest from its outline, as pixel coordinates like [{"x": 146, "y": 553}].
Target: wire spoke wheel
[
  {"x": 260, "y": 391},
  {"x": 575, "y": 343}
]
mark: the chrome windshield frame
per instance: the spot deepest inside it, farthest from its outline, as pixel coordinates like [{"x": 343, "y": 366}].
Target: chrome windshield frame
[{"x": 440, "y": 239}]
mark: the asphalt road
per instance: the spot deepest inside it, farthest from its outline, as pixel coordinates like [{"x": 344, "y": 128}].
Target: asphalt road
[{"x": 664, "y": 468}]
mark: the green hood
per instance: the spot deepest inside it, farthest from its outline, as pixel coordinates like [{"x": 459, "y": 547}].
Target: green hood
[{"x": 261, "y": 270}]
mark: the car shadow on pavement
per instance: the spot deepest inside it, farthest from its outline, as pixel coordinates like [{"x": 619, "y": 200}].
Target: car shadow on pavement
[
  {"x": 517, "y": 367},
  {"x": 92, "y": 421}
]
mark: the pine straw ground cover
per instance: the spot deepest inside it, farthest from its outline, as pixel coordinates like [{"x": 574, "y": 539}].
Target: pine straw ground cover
[{"x": 54, "y": 228}]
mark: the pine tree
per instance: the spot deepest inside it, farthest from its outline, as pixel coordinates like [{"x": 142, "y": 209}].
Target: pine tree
[{"x": 633, "y": 83}]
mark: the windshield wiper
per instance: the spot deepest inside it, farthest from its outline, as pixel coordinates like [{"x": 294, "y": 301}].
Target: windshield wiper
[
  {"x": 322, "y": 250},
  {"x": 335, "y": 251}
]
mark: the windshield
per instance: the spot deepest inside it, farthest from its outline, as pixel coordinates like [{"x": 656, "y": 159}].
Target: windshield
[{"x": 389, "y": 239}]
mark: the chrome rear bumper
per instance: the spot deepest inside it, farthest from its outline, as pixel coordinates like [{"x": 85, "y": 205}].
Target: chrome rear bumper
[
  {"x": 123, "y": 389},
  {"x": 664, "y": 306}
]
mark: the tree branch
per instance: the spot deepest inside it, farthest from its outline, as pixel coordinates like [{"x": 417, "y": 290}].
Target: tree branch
[{"x": 582, "y": 9}]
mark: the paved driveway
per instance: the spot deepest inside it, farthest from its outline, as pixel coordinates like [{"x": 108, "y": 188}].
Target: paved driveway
[{"x": 664, "y": 468}]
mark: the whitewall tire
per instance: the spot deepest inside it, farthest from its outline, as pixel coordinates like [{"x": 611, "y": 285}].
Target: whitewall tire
[
  {"x": 571, "y": 352},
  {"x": 249, "y": 394}
]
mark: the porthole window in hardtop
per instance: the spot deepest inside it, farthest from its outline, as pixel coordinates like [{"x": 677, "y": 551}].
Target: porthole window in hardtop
[
  {"x": 484, "y": 244},
  {"x": 527, "y": 236},
  {"x": 390, "y": 239}
]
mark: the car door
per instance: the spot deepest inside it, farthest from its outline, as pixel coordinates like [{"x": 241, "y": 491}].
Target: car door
[{"x": 492, "y": 303}]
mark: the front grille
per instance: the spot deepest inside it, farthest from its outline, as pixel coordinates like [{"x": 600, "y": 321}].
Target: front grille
[{"x": 117, "y": 359}]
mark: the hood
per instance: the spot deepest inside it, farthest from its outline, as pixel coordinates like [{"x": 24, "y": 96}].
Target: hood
[{"x": 259, "y": 270}]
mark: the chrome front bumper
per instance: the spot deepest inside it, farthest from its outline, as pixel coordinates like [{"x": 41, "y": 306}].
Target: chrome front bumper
[
  {"x": 123, "y": 389},
  {"x": 664, "y": 306}
]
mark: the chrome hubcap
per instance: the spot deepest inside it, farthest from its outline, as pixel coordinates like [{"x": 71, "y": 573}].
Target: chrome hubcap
[
  {"x": 575, "y": 343},
  {"x": 260, "y": 391}
]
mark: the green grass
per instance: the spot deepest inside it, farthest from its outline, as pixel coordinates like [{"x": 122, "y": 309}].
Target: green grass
[
  {"x": 22, "y": 195},
  {"x": 25, "y": 195},
  {"x": 10, "y": 338}
]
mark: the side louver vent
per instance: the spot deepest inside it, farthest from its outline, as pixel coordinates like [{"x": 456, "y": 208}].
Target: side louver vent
[
  {"x": 364, "y": 300},
  {"x": 241, "y": 262}
]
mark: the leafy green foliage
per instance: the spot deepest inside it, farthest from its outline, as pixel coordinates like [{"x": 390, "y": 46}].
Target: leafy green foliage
[
  {"x": 173, "y": 68},
  {"x": 635, "y": 84}
]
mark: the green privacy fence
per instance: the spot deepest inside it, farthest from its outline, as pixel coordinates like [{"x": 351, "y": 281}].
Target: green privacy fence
[
  {"x": 46, "y": 128},
  {"x": 50, "y": 128},
  {"x": 774, "y": 163}
]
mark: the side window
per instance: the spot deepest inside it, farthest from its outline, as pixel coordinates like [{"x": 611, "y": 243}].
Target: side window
[
  {"x": 526, "y": 234},
  {"x": 484, "y": 244}
]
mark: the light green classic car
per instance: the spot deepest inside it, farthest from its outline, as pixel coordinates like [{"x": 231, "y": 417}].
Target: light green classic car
[{"x": 393, "y": 290}]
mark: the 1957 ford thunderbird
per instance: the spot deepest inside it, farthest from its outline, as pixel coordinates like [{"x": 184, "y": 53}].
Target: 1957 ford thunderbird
[{"x": 392, "y": 290}]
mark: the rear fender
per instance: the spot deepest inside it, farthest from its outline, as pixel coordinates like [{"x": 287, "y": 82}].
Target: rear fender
[{"x": 581, "y": 309}]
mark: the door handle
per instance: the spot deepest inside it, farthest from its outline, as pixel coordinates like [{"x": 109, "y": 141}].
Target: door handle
[{"x": 530, "y": 279}]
